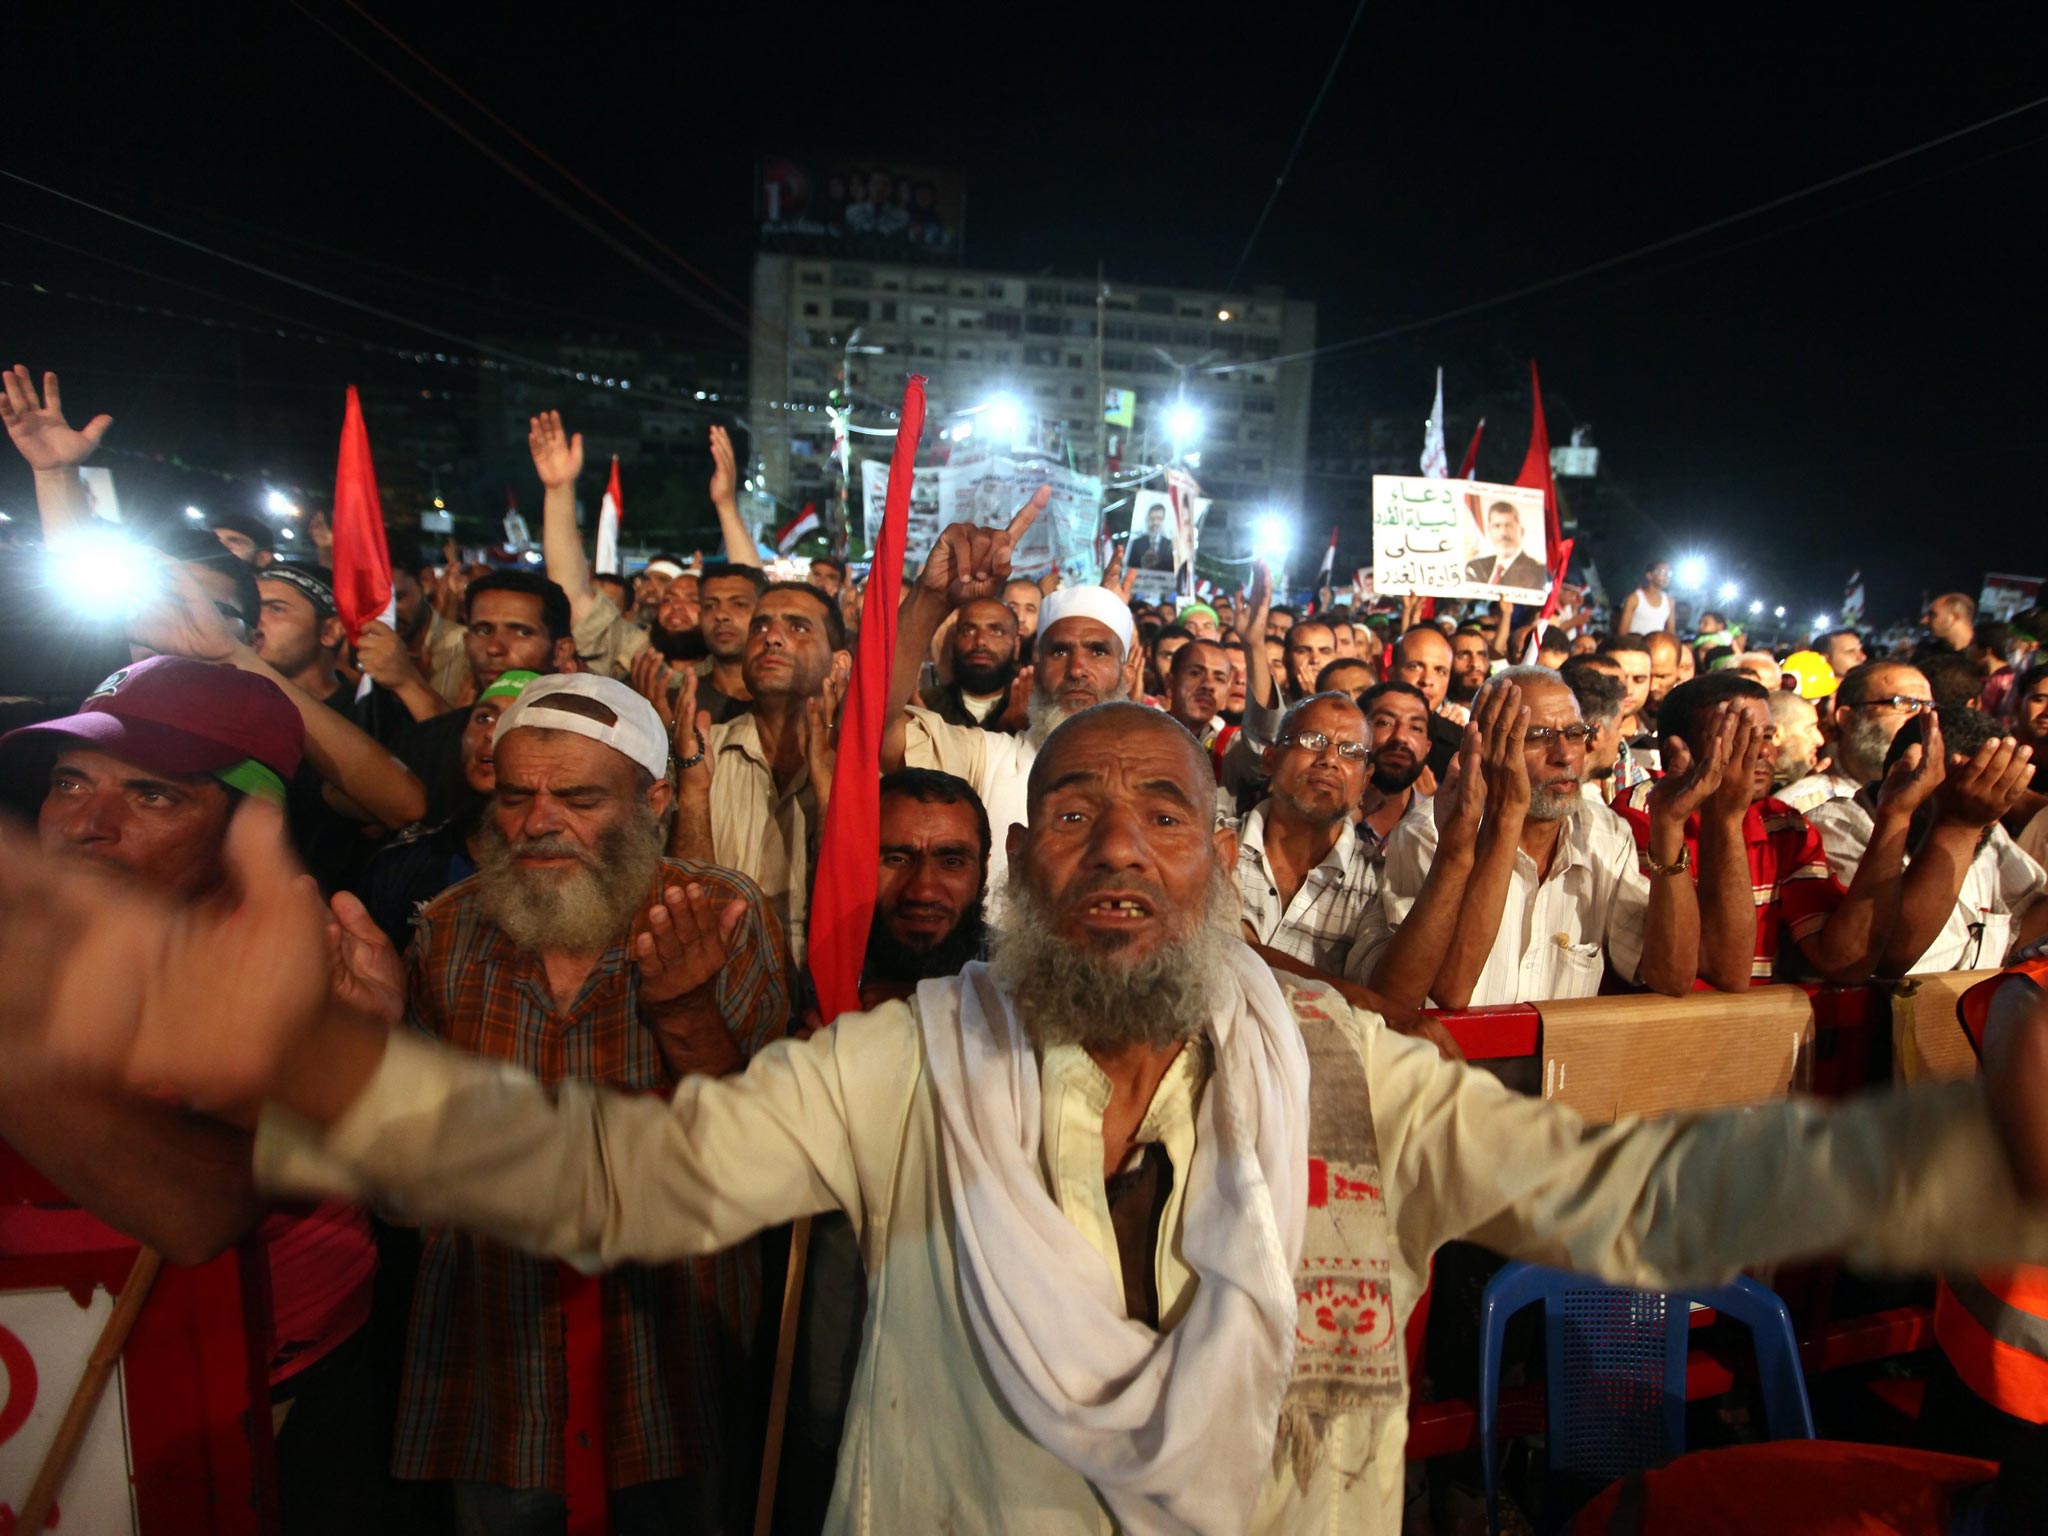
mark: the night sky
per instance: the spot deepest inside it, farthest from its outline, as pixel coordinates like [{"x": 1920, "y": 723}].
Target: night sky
[{"x": 1852, "y": 379}]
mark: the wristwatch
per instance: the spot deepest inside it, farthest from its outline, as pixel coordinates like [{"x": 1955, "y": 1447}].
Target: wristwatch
[{"x": 1651, "y": 867}]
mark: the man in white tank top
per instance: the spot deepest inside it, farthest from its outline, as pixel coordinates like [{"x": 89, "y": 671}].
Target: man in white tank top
[{"x": 1650, "y": 607}]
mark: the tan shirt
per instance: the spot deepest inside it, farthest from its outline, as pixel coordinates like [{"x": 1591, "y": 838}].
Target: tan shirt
[
  {"x": 767, "y": 834},
  {"x": 606, "y": 640},
  {"x": 447, "y": 659},
  {"x": 847, "y": 1121}
]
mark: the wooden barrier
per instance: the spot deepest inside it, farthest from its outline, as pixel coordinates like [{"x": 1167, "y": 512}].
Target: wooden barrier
[{"x": 1852, "y": 1040}]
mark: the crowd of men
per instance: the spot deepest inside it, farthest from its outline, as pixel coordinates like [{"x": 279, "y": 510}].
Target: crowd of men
[{"x": 568, "y": 821}]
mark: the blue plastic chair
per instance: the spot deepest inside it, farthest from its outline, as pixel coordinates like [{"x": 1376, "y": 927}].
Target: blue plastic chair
[{"x": 1614, "y": 1367}]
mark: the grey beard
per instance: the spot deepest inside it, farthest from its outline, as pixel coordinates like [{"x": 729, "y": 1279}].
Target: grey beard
[
  {"x": 1860, "y": 753},
  {"x": 1068, "y": 994},
  {"x": 584, "y": 911},
  {"x": 1544, "y": 806},
  {"x": 1046, "y": 714}
]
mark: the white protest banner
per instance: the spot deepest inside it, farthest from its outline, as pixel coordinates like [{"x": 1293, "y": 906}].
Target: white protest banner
[
  {"x": 2005, "y": 594},
  {"x": 46, "y": 1338},
  {"x": 1457, "y": 538},
  {"x": 987, "y": 493}
]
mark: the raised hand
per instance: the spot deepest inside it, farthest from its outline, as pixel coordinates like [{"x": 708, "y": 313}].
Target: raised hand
[
  {"x": 37, "y": 424},
  {"x": 1981, "y": 788},
  {"x": 183, "y": 621},
  {"x": 1461, "y": 801},
  {"x": 1251, "y": 619},
  {"x": 1728, "y": 763},
  {"x": 384, "y": 656},
  {"x": 1917, "y": 774},
  {"x": 724, "y": 473},
  {"x": 969, "y": 562},
  {"x": 368, "y": 975},
  {"x": 1503, "y": 722},
  {"x": 1017, "y": 708},
  {"x": 821, "y": 724},
  {"x": 557, "y": 459},
  {"x": 110, "y": 983},
  {"x": 1119, "y": 580},
  {"x": 683, "y": 942},
  {"x": 648, "y": 672}
]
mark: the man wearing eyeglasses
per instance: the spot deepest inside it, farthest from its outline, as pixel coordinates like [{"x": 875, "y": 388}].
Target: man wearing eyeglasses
[
  {"x": 1874, "y": 701},
  {"x": 1545, "y": 893},
  {"x": 1304, "y": 876}
]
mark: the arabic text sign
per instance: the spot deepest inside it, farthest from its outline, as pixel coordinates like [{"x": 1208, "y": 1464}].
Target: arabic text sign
[{"x": 1457, "y": 538}]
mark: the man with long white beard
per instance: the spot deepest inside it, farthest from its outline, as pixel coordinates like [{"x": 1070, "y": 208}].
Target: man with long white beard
[
  {"x": 1080, "y": 659},
  {"x": 533, "y": 961},
  {"x": 1142, "y": 1221}
]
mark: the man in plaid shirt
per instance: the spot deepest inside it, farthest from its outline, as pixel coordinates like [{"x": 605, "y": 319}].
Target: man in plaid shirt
[{"x": 578, "y": 952}]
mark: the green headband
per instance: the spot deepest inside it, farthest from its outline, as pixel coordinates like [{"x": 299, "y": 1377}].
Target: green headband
[
  {"x": 507, "y": 686},
  {"x": 252, "y": 778}
]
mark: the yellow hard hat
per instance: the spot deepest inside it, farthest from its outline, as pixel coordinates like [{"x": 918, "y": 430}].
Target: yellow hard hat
[{"x": 1816, "y": 678}]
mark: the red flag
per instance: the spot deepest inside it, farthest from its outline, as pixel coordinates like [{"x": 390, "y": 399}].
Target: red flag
[
  {"x": 1536, "y": 474},
  {"x": 609, "y": 515},
  {"x": 1472, "y": 451},
  {"x": 362, "y": 561},
  {"x": 849, "y": 855}
]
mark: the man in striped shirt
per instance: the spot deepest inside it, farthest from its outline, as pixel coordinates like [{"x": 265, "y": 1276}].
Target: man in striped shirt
[{"x": 1762, "y": 872}]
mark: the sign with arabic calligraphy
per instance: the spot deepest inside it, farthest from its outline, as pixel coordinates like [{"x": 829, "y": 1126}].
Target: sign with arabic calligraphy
[{"x": 1457, "y": 538}]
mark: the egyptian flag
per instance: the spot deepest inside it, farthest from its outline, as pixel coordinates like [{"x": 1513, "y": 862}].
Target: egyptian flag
[
  {"x": 849, "y": 854},
  {"x": 797, "y": 529},
  {"x": 1329, "y": 565},
  {"x": 608, "y": 525}
]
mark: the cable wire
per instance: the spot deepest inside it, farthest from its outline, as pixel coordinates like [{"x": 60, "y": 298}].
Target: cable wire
[
  {"x": 1300, "y": 138},
  {"x": 1651, "y": 249}
]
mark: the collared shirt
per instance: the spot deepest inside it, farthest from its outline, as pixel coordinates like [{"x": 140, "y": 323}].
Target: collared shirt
[
  {"x": 999, "y": 768},
  {"x": 606, "y": 640},
  {"x": 954, "y": 705},
  {"x": 768, "y": 833},
  {"x": 485, "y": 1387},
  {"x": 1557, "y": 934},
  {"x": 1788, "y": 874},
  {"x": 1815, "y": 790},
  {"x": 1320, "y": 922},
  {"x": 848, "y": 1120},
  {"x": 444, "y": 659},
  {"x": 1999, "y": 886}
]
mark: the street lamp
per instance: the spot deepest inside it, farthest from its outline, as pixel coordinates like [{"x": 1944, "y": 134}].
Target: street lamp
[
  {"x": 1730, "y": 591},
  {"x": 1184, "y": 424},
  {"x": 1778, "y": 613},
  {"x": 1005, "y": 416},
  {"x": 1691, "y": 571},
  {"x": 195, "y": 514},
  {"x": 277, "y": 504},
  {"x": 1272, "y": 539},
  {"x": 1757, "y": 607}
]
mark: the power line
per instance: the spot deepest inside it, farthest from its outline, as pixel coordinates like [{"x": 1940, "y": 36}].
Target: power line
[
  {"x": 548, "y": 160},
  {"x": 1651, "y": 249},
  {"x": 1300, "y": 138},
  {"x": 546, "y": 194}
]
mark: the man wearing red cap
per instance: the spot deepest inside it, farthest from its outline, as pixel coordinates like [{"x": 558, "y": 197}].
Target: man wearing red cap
[{"x": 142, "y": 782}]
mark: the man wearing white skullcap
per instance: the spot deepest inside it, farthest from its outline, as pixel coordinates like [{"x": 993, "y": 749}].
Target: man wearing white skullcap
[{"x": 1085, "y": 636}]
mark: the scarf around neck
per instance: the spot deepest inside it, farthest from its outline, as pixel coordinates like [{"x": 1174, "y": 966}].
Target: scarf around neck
[{"x": 1175, "y": 1431}]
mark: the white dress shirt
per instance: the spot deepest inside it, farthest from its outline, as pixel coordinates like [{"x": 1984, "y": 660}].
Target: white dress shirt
[{"x": 1557, "y": 936}]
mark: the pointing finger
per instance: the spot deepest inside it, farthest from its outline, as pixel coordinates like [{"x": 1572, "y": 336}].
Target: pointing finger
[{"x": 1028, "y": 513}]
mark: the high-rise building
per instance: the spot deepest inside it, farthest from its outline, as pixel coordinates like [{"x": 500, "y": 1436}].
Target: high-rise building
[{"x": 1054, "y": 346}]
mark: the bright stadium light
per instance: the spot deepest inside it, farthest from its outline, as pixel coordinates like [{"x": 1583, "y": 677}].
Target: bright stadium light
[
  {"x": 1825, "y": 621},
  {"x": 277, "y": 504},
  {"x": 1183, "y": 423},
  {"x": 195, "y": 514},
  {"x": 1005, "y": 415},
  {"x": 1730, "y": 591},
  {"x": 1757, "y": 606},
  {"x": 122, "y": 575},
  {"x": 1778, "y": 613},
  {"x": 1691, "y": 571},
  {"x": 1272, "y": 538}
]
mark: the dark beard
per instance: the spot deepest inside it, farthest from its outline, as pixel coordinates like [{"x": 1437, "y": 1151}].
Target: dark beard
[
  {"x": 677, "y": 644},
  {"x": 891, "y": 961},
  {"x": 589, "y": 909},
  {"x": 984, "y": 680},
  {"x": 1391, "y": 781},
  {"x": 1461, "y": 693}
]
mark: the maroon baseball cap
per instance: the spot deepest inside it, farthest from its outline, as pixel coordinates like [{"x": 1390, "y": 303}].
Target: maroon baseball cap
[{"x": 173, "y": 715}]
